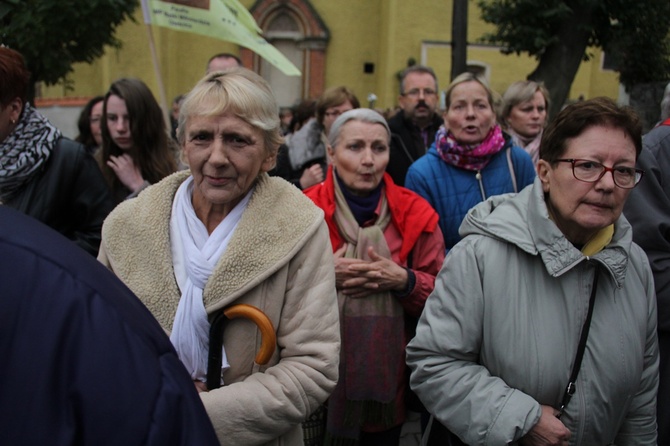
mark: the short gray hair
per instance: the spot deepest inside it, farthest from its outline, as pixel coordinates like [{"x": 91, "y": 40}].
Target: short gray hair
[
  {"x": 422, "y": 69},
  {"x": 358, "y": 114}
]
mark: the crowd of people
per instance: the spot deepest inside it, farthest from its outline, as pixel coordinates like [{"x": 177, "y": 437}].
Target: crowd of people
[{"x": 495, "y": 269}]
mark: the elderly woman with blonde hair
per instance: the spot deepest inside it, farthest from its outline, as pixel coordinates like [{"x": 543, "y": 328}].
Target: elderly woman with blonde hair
[{"x": 225, "y": 233}]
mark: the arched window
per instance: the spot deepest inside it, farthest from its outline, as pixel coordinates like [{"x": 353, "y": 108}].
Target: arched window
[{"x": 295, "y": 29}]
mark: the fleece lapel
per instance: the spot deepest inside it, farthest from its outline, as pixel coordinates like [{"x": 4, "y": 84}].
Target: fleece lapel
[{"x": 277, "y": 222}]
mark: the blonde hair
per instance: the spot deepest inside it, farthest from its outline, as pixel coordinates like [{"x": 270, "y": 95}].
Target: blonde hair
[
  {"x": 521, "y": 91},
  {"x": 241, "y": 92},
  {"x": 470, "y": 77}
]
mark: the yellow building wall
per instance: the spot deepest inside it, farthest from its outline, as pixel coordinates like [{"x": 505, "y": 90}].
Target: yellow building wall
[{"x": 385, "y": 33}]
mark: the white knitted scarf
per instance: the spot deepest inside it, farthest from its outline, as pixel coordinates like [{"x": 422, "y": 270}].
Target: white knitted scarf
[{"x": 195, "y": 254}]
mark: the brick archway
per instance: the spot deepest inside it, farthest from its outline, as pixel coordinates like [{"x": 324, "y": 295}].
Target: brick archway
[{"x": 311, "y": 37}]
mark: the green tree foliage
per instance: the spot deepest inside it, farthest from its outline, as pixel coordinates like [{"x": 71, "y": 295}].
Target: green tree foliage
[
  {"x": 54, "y": 34},
  {"x": 559, "y": 32}
]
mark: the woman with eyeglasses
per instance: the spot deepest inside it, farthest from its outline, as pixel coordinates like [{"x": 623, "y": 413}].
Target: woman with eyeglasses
[
  {"x": 303, "y": 160},
  {"x": 90, "y": 133},
  {"x": 471, "y": 159},
  {"x": 542, "y": 325}
]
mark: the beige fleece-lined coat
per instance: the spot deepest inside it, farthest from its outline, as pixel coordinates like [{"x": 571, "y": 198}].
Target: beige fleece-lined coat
[{"x": 278, "y": 260}]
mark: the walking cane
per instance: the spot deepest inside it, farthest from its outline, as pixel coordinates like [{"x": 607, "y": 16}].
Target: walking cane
[{"x": 215, "y": 357}]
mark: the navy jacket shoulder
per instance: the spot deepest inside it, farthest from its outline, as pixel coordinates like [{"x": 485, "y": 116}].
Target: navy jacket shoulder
[{"x": 84, "y": 362}]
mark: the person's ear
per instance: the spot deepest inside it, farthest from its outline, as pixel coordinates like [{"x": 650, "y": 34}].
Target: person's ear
[
  {"x": 544, "y": 172},
  {"x": 331, "y": 153},
  {"x": 269, "y": 162},
  {"x": 15, "y": 107}
]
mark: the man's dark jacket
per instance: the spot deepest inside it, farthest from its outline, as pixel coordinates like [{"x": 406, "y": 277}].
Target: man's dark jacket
[
  {"x": 407, "y": 144},
  {"x": 83, "y": 361}
]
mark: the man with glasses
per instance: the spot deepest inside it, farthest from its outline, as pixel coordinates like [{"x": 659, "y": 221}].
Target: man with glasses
[{"x": 413, "y": 128}]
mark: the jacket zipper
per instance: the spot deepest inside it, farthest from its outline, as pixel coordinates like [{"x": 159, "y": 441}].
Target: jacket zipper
[{"x": 478, "y": 175}]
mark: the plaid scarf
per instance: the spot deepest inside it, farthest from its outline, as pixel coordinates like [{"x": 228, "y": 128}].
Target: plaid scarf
[
  {"x": 372, "y": 330},
  {"x": 531, "y": 146},
  {"x": 24, "y": 151},
  {"x": 469, "y": 157}
]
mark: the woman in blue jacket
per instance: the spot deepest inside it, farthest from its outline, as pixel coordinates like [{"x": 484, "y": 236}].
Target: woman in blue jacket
[{"x": 471, "y": 159}]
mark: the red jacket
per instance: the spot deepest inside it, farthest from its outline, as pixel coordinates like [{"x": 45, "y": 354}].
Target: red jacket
[
  {"x": 413, "y": 230},
  {"x": 410, "y": 213}
]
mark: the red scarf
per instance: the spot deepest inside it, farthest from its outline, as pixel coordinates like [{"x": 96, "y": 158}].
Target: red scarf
[{"x": 410, "y": 213}]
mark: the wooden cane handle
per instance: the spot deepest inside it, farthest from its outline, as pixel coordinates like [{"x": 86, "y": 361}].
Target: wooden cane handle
[{"x": 268, "y": 337}]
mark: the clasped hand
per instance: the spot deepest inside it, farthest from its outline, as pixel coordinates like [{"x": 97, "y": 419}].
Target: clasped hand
[{"x": 359, "y": 278}]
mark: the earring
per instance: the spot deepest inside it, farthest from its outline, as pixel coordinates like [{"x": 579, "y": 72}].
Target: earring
[{"x": 13, "y": 121}]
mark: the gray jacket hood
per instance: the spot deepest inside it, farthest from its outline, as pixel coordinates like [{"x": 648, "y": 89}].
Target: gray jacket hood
[{"x": 523, "y": 220}]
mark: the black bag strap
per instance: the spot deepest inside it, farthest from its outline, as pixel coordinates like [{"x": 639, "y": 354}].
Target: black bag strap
[{"x": 571, "y": 387}]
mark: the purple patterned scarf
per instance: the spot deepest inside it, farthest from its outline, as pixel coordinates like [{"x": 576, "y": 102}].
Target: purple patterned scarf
[{"x": 469, "y": 157}]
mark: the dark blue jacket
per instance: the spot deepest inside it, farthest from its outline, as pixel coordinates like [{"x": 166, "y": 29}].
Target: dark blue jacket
[{"x": 83, "y": 361}]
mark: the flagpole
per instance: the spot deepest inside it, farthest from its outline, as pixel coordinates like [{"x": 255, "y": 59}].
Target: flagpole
[{"x": 159, "y": 77}]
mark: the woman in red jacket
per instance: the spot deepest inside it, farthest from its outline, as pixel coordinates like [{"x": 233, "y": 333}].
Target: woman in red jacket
[{"x": 388, "y": 248}]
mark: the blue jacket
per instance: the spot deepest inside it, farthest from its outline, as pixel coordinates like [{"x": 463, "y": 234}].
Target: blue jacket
[
  {"x": 83, "y": 361},
  {"x": 453, "y": 191}
]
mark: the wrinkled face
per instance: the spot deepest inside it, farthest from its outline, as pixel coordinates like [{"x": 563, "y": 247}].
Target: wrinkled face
[
  {"x": 419, "y": 98},
  {"x": 118, "y": 122},
  {"x": 581, "y": 209},
  {"x": 470, "y": 115},
  {"x": 361, "y": 155},
  {"x": 332, "y": 113},
  {"x": 94, "y": 118},
  {"x": 225, "y": 155},
  {"x": 528, "y": 118}
]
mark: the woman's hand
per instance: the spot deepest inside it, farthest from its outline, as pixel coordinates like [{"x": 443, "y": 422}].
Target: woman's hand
[
  {"x": 125, "y": 169},
  {"x": 200, "y": 386},
  {"x": 548, "y": 431},
  {"x": 360, "y": 278},
  {"x": 311, "y": 176}
]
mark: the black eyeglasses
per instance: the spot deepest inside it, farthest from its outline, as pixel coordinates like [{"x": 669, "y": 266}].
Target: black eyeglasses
[
  {"x": 416, "y": 92},
  {"x": 592, "y": 171}
]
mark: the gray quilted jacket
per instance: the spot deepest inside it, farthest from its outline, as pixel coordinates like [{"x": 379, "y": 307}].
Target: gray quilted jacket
[{"x": 499, "y": 334}]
